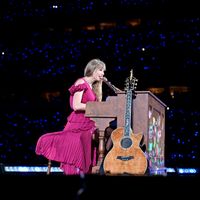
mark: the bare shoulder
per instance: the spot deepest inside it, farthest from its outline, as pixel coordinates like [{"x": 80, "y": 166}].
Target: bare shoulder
[{"x": 79, "y": 81}]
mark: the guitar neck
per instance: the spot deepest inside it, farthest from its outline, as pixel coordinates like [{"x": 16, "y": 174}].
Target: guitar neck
[{"x": 128, "y": 113}]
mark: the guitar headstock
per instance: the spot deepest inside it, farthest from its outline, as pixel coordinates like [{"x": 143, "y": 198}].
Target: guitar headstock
[{"x": 131, "y": 82}]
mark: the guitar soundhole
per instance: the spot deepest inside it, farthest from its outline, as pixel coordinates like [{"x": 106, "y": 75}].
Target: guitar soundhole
[{"x": 126, "y": 142}]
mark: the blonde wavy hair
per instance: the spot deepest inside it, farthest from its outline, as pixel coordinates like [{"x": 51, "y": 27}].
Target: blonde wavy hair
[{"x": 88, "y": 71}]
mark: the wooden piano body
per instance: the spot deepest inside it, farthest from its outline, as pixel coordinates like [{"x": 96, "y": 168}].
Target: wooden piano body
[{"x": 148, "y": 118}]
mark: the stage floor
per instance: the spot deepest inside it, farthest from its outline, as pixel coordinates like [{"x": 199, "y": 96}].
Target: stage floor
[{"x": 92, "y": 186}]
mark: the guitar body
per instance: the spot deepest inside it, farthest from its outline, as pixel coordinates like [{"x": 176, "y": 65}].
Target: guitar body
[{"x": 123, "y": 160}]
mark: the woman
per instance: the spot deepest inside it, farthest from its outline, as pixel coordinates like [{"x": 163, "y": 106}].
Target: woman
[{"x": 73, "y": 147}]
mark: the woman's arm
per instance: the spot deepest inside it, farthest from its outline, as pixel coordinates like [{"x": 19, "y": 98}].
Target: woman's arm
[{"x": 77, "y": 105}]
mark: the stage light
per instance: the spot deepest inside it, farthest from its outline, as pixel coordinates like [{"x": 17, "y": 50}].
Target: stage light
[
  {"x": 30, "y": 169},
  {"x": 187, "y": 170}
]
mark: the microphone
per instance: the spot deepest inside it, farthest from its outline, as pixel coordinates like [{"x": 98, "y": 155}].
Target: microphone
[{"x": 110, "y": 85}]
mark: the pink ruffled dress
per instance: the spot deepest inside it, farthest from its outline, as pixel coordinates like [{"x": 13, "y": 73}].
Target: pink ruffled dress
[{"x": 73, "y": 147}]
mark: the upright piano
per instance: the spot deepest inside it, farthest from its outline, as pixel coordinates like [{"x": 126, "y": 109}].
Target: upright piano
[{"x": 148, "y": 117}]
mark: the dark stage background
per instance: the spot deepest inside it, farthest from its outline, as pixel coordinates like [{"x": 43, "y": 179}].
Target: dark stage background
[{"x": 45, "y": 46}]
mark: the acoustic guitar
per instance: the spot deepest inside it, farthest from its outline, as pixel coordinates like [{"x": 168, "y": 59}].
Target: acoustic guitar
[{"x": 126, "y": 156}]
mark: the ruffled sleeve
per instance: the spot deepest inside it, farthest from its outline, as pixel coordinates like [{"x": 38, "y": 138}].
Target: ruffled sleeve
[{"x": 77, "y": 88}]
